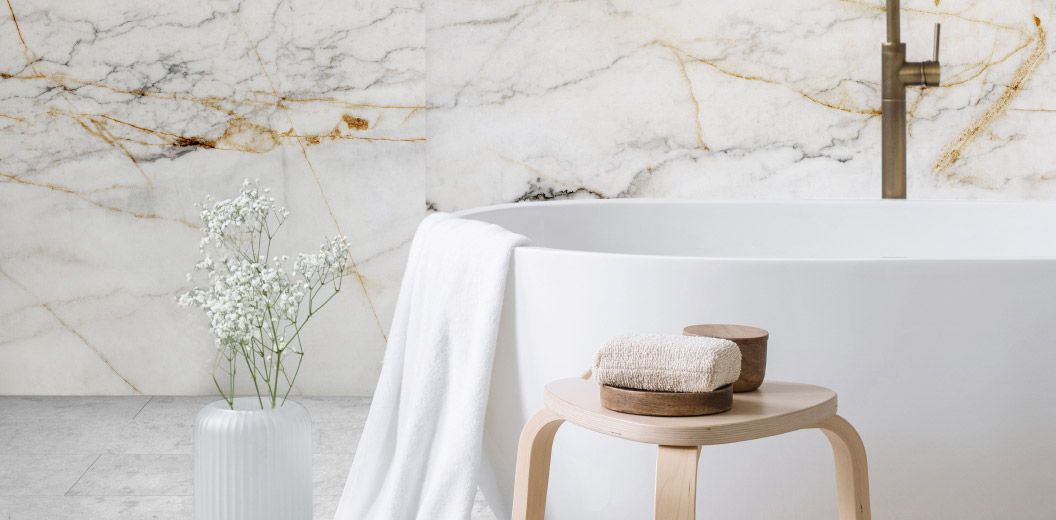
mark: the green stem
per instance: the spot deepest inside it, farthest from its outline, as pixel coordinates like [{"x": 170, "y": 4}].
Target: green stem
[
  {"x": 252, "y": 374},
  {"x": 231, "y": 401},
  {"x": 278, "y": 366},
  {"x": 232, "y": 368},
  {"x": 295, "y": 372}
]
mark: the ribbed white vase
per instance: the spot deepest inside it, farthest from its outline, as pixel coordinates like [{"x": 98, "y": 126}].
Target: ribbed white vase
[{"x": 252, "y": 464}]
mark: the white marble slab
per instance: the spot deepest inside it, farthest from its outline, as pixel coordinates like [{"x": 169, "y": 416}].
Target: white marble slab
[
  {"x": 116, "y": 116},
  {"x": 537, "y": 100}
]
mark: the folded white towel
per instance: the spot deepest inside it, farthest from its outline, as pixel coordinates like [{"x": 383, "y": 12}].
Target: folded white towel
[
  {"x": 667, "y": 363},
  {"x": 419, "y": 455}
]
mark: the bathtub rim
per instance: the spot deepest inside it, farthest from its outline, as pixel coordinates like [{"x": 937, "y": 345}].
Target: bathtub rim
[{"x": 469, "y": 213}]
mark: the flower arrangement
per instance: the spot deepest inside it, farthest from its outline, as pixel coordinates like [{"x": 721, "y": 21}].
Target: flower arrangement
[{"x": 257, "y": 309}]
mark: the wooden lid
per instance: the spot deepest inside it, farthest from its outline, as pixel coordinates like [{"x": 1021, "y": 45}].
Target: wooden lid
[{"x": 735, "y": 333}]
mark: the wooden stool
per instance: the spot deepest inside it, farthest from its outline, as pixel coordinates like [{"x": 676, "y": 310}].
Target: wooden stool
[{"x": 774, "y": 409}]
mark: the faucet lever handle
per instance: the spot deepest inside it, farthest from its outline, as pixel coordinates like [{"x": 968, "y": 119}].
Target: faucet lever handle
[{"x": 938, "y": 27}]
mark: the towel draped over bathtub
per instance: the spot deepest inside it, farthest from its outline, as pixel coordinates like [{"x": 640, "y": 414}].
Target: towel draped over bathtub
[{"x": 419, "y": 455}]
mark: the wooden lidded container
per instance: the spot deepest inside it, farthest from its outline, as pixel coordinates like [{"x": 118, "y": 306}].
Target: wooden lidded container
[
  {"x": 666, "y": 404},
  {"x": 752, "y": 342}
]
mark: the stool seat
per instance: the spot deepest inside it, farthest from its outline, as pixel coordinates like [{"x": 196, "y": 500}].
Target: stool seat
[{"x": 775, "y": 408}]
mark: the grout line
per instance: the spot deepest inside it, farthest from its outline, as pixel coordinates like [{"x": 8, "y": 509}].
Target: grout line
[
  {"x": 142, "y": 407},
  {"x": 67, "y": 493}
]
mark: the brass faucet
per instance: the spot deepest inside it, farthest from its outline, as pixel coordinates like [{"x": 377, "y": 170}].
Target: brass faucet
[{"x": 897, "y": 75}]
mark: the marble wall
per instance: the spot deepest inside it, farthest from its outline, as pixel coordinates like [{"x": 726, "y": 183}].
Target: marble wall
[
  {"x": 116, "y": 116},
  {"x": 750, "y": 99}
]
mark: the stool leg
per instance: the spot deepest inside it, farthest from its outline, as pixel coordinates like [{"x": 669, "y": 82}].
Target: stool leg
[
  {"x": 852, "y": 471},
  {"x": 676, "y": 482},
  {"x": 533, "y": 465}
]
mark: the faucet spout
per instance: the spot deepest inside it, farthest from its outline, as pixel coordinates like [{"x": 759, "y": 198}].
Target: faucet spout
[{"x": 893, "y": 24}]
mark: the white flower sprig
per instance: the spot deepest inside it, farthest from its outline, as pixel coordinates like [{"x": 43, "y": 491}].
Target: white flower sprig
[{"x": 256, "y": 308}]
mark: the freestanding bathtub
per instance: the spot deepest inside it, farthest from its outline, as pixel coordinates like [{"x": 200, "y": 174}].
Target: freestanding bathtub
[{"x": 933, "y": 321}]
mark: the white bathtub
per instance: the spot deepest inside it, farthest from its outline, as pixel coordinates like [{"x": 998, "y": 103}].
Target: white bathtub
[{"x": 932, "y": 320}]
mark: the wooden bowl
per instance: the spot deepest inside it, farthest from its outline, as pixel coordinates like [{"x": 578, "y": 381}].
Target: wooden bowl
[
  {"x": 752, "y": 342},
  {"x": 666, "y": 404}
]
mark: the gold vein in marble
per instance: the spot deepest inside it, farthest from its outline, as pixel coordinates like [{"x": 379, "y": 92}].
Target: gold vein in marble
[
  {"x": 953, "y": 150},
  {"x": 685, "y": 54},
  {"x": 411, "y": 114},
  {"x": 333, "y": 101},
  {"x": 71, "y": 330},
  {"x": 692, "y": 97},
  {"x": 101, "y": 133},
  {"x": 29, "y": 57},
  {"x": 85, "y": 198},
  {"x": 240, "y": 134},
  {"x": 252, "y": 137},
  {"x": 984, "y": 67},
  {"x": 881, "y": 7}
]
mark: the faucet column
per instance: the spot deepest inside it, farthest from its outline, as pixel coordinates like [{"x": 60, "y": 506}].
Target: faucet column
[
  {"x": 897, "y": 74},
  {"x": 893, "y": 121}
]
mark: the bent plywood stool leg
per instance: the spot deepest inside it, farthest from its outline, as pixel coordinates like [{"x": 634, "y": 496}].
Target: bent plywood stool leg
[
  {"x": 533, "y": 465},
  {"x": 676, "y": 482},
  {"x": 852, "y": 471}
]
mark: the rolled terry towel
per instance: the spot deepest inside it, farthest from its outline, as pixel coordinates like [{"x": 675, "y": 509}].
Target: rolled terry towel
[{"x": 667, "y": 363}]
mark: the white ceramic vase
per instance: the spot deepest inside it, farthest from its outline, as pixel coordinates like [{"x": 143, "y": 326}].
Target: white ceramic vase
[{"x": 252, "y": 464}]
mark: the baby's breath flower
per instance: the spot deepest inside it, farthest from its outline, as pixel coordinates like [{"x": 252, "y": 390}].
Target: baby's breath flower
[{"x": 250, "y": 302}]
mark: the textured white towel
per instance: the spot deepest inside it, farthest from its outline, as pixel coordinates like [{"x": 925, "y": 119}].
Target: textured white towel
[
  {"x": 419, "y": 456},
  {"x": 667, "y": 363}
]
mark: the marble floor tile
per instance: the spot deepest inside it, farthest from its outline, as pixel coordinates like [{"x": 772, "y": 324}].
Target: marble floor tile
[
  {"x": 33, "y": 474},
  {"x": 337, "y": 422},
  {"x": 92, "y": 508},
  {"x": 130, "y": 457},
  {"x": 64, "y": 424},
  {"x": 481, "y": 511},
  {"x": 126, "y": 475},
  {"x": 324, "y": 506},
  {"x": 341, "y": 438},
  {"x": 40, "y": 409},
  {"x": 165, "y": 425},
  {"x": 329, "y": 472}
]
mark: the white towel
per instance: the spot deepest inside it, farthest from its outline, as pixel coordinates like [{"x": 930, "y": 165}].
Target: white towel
[
  {"x": 667, "y": 363},
  {"x": 419, "y": 456}
]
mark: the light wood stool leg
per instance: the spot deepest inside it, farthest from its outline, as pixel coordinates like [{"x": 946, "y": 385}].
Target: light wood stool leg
[
  {"x": 533, "y": 465},
  {"x": 676, "y": 482},
  {"x": 852, "y": 471}
]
